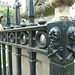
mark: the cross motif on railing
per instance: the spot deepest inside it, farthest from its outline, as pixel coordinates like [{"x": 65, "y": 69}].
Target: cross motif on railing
[{"x": 17, "y": 6}]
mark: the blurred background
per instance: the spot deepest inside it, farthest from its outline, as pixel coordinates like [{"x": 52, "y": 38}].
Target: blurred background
[{"x": 24, "y": 8}]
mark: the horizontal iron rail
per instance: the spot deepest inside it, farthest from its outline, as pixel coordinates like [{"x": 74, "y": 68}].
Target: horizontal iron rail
[
  {"x": 36, "y": 50},
  {"x": 29, "y": 28}
]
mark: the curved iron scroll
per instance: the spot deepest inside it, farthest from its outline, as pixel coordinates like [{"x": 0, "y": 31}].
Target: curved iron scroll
[
  {"x": 23, "y": 37},
  {"x": 41, "y": 40}
]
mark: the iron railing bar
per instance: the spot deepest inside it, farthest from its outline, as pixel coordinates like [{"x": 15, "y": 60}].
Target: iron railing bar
[
  {"x": 18, "y": 56},
  {"x": 30, "y": 28},
  {"x": 4, "y": 59},
  {"x": 0, "y": 61},
  {"x": 41, "y": 51},
  {"x": 10, "y": 60}
]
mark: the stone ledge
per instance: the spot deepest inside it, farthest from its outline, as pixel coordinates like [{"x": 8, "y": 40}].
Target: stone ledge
[{"x": 44, "y": 9}]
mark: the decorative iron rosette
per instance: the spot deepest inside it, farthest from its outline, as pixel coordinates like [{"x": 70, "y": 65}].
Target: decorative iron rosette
[
  {"x": 23, "y": 37},
  {"x": 41, "y": 39},
  {"x": 12, "y": 37},
  {"x": 4, "y": 37}
]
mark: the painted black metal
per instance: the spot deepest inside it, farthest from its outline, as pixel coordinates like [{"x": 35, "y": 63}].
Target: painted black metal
[
  {"x": 59, "y": 46},
  {"x": 8, "y": 18},
  {"x": 17, "y": 13},
  {"x": 23, "y": 23},
  {"x": 41, "y": 51},
  {"x": 0, "y": 61},
  {"x": 4, "y": 37},
  {"x": 23, "y": 37},
  {"x": 30, "y": 28},
  {"x": 32, "y": 55},
  {"x": 32, "y": 60},
  {"x": 7, "y": 26},
  {"x": 18, "y": 55},
  {"x": 31, "y": 12},
  {"x": 57, "y": 69},
  {"x": 11, "y": 37},
  {"x": 12, "y": 26},
  {"x": 38, "y": 35},
  {"x": 4, "y": 59},
  {"x": 10, "y": 60},
  {"x": 31, "y": 41},
  {"x": 41, "y": 20}
]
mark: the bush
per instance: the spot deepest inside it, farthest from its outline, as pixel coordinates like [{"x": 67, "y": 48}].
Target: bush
[{"x": 3, "y": 11}]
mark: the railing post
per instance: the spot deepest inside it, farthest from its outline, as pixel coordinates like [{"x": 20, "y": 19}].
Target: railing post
[
  {"x": 4, "y": 59},
  {"x": 0, "y": 61},
  {"x": 61, "y": 54},
  {"x": 10, "y": 60},
  {"x": 61, "y": 49}
]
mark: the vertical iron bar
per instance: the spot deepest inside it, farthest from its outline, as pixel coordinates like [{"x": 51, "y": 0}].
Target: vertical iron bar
[
  {"x": 18, "y": 54},
  {"x": 0, "y": 61},
  {"x": 17, "y": 13},
  {"x": 16, "y": 17},
  {"x": 4, "y": 59},
  {"x": 10, "y": 59},
  {"x": 8, "y": 19},
  {"x": 32, "y": 60},
  {"x": 31, "y": 12},
  {"x": 7, "y": 26},
  {"x": 8, "y": 16},
  {"x": 32, "y": 55}
]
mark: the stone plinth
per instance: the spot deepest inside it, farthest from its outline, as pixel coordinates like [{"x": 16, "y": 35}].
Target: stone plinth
[
  {"x": 42, "y": 65},
  {"x": 62, "y": 10}
]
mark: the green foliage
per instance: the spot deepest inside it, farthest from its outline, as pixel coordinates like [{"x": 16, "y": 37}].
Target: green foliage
[
  {"x": 3, "y": 11},
  {"x": 6, "y": 58}
]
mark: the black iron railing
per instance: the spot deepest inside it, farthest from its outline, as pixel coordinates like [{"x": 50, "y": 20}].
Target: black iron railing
[{"x": 53, "y": 40}]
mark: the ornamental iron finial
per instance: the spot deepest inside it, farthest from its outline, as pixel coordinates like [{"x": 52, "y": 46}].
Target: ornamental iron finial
[
  {"x": 41, "y": 20},
  {"x": 17, "y": 13},
  {"x": 31, "y": 12},
  {"x": 8, "y": 16}
]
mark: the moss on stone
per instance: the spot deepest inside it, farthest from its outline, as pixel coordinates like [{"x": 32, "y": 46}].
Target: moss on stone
[{"x": 44, "y": 9}]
